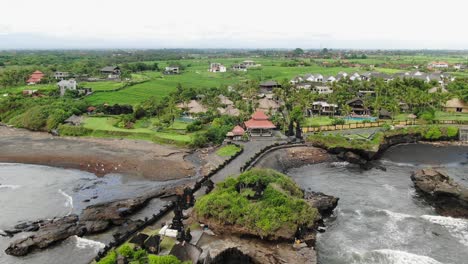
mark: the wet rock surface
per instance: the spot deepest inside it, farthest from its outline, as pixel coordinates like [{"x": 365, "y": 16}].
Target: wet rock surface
[
  {"x": 94, "y": 219},
  {"x": 448, "y": 197},
  {"x": 325, "y": 204}
]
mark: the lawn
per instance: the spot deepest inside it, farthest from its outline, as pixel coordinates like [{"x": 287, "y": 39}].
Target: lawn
[
  {"x": 102, "y": 86},
  {"x": 451, "y": 116},
  {"x": 228, "y": 150},
  {"x": 317, "y": 121},
  {"x": 107, "y": 125}
]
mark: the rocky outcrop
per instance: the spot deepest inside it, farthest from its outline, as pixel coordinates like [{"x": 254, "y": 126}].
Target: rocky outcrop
[
  {"x": 325, "y": 204},
  {"x": 49, "y": 233},
  {"x": 448, "y": 197},
  {"x": 94, "y": 219},
  {"x": 222, "y": 249}
]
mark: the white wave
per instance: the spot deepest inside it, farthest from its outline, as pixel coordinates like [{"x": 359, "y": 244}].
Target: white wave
[
  {"x": 389, "y": 187},
  {"x": 68, "y": 201},
  {"x": 456, "y": 227},
  {"x": 399, "y": 164},
  {"x": 401, "y": 257},
  {"x": 7, "y": 186},
  {"x": 84, "y": 243},
  {"x": 395, "y": 215},
  {"x": 339, "y": 164}
]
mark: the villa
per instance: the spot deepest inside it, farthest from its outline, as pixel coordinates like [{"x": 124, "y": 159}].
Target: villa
[
  {"x": 172, "y": 70},
  {"x": 65, "y": 85},
  {"x": 236, "y": 133},
  {"x": 358, "y": 107},
  {"x": 259, "y": 125},
  {"x": 36, "y": 77},
  {"x": 111, "y": 72},
  {"x": 217, "y": 67},
  {"x": 323, "y": 108},
  {"x": 456, "y": 105}
]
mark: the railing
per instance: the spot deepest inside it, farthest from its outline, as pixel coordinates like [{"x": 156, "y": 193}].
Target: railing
[{"x": 378, "y": 124}]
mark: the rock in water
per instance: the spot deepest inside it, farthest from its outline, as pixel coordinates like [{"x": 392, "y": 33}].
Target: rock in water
[
  {"x": 51, "y": 232},
  {"x": 448, "y": 197},
  {"x": 325, "y": 204}
]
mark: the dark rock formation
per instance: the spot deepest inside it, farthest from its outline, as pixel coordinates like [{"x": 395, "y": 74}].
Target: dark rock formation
[
  {"x": 448, "y": 197},
  {"x": 94, "y": 219},
  {"x": 49, "y": 233},
  {"x": 325, "y": 204}
]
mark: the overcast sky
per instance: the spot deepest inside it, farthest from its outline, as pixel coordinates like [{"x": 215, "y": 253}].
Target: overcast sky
[{"x": 366, "y": 24}]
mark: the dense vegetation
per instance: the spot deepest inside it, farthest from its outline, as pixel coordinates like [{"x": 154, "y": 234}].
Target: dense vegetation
[
  {"x": 431, "y": 132},
  {"x": 139, "y": 256},
  {"x": 237, "y": 201}
]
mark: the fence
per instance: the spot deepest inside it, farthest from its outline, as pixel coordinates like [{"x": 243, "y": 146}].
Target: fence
[{"x": 378, "y": 124}]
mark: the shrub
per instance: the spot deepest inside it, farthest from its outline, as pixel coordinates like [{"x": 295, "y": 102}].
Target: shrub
[
  {"x": 199, "y": 140},
  {"x": 126, "y": 250},
  {"x": 35, "y": 118},
  {"x": 110, "y": 258},
  {"x": 194, "y": 126},
  {"x": 75, "y": 131},
  {"x": 432, "y": 133},
  {"x": 452, "y": 131},
  {"x": 168, "y": 259},
  {"x": 338, "y": 121}
]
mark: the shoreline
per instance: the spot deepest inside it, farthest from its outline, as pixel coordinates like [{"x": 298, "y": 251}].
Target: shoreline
[{"x": 95, "y": 155}]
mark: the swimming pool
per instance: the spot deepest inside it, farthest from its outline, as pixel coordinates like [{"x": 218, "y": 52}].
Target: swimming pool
[{"x": 360, "y": 119}]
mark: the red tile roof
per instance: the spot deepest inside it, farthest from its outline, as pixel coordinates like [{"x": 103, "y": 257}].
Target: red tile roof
[
  {"x": 35, "y": 77},
  {"x": 265, "y": 124},
  {"x": 238, "y": 131},
  {"x": 259, "y": 115}
]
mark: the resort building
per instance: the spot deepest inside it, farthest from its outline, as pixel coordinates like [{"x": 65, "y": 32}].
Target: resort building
[
  {"x": 192, "y": 107},
  {"x": 358, "y": 107},
  {"x": 217, "y": 67},
  {"x": 111, "y": 72},
  {"x": 172, "y": 70},
  {"x": 36, "y": 77},
  {"x": 65, "y": 85},
  {"x": 236, "y": 133},
  {"x": 323, "y": 108},
  {"x": 259, "y": 125},
  {"x": 456, "y": 105},
  {"x": 268, "y": 86}
]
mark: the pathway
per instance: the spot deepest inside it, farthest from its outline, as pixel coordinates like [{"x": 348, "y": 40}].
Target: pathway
[{"x": 250, "y": 149}]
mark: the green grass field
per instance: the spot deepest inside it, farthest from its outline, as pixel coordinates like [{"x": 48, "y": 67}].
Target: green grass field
[
  {"x": 228, "y": 151},
  {"x": 107, "y": 124}
]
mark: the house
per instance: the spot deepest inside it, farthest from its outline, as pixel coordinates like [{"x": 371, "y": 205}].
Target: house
[
  {"x": 307, "y": 86},
  {"x": 268, "y": 105},
  {"x": 224, "y": 100},
  {"x": 58, "y": 75},
  {"x": 217, "y": 67},
  {"x": 35, "y": 77},
  {"x": 259, "y": 125},
  {"x": 355, "y": 76},
  {"x": 172, "y": 70},
  {"x": 438, "y": 65},
  {"x": 459, "y": 66},
  {"x": 323, "y": 108},
  {"x": 250, "y": 63},
  {"x": 456, "y": 105},
  {"x": 358, "y": 107},
  {"x": 268, "y": 86},
  {"x": 193, "y": 107},
  {"x": 385, "y": 114},
  {"x": 239, "y": 67},
  {"x": 236, "y": 133},
  {"x": 230, "y": 110},
  {"x": 65, "y": 85},
  {"x": 296, "y": 80},
  {"x": 111, "y": 72},
  {"x": 322, "y": 89}
]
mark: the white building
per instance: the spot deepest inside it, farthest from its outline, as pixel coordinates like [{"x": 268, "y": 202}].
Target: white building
[
  {"x": 322, "y": 89},
  {"x": 65, "y": 85},
  {"x": 217, "y": 67}
]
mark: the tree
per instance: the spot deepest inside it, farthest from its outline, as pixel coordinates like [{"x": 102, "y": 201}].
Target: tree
[{"x": 298, "y": 51}]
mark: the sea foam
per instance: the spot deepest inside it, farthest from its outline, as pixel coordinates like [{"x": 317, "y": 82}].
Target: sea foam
[
  {"x": 401, "y": 257},
  {"x": 84, "y": 243},
  {"x": 68, "y": 201},
  {"x": 7, "y": 186},
  {"x": 455, "y": 226}
]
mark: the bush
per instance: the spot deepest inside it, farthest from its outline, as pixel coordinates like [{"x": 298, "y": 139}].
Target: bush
[
  {"x": 35, "y": 118},
  {"x": 338, "y": 121},
  {"x": 452, "y": 131},
  {"x": 110, "y": 258},
  {"x": 169, "y": 259},
  {"x": 199, "y": 140},
  {"x": 432, "y": 133},
  {"x": 194, "y": 126},
  {"x": 126, "y": 250},
  {"x": 75, "y": 131}
]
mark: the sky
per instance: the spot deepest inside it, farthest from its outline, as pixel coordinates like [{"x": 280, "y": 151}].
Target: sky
[{"x": 308, "y": 24}]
